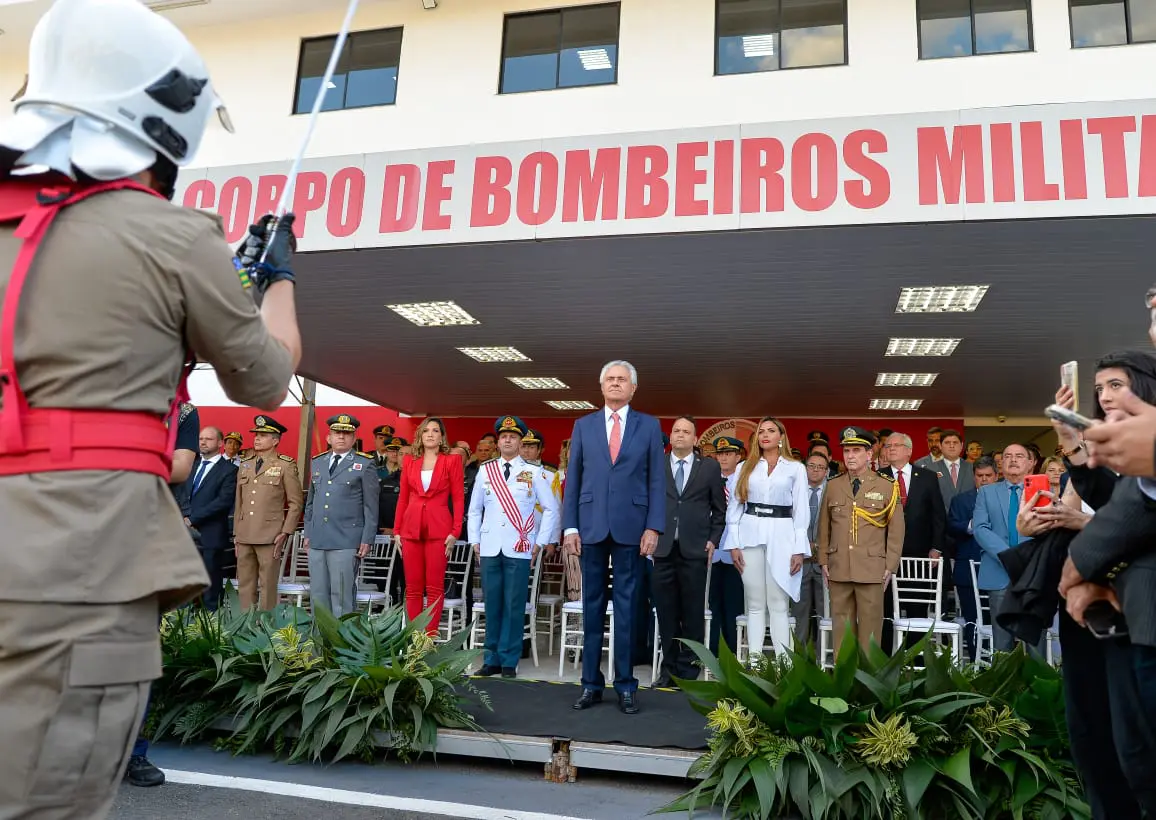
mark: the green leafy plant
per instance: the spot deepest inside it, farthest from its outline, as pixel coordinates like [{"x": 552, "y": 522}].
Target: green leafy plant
[
  {"x": 310, "y": 687},
  {"x": 877, "y": 737}
]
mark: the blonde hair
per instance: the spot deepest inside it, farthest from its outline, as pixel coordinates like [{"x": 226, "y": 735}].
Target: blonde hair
[
  {"x": 417, "y": 448},
  {"x": 755, "y": 455},
  {"x": 564, "y": 455}
]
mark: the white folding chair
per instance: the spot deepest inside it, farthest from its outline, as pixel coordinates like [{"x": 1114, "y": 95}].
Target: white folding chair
[
  {"x": 918, "y": 583},
  {"x": 984, "y": 638},
  {"x": 530, "y": 628},
  {"x": 294, "y": 583},
  {"x": 551, "y": 593},
  {"x": 454, "y": 609},
  {"x": 826, "y": 632},
  {"x": 374, "y": 574},
  {"x": 741, "y": 624}
]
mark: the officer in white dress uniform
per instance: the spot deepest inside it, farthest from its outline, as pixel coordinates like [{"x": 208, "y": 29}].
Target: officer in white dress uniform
[{"x": 513, "y": 512}]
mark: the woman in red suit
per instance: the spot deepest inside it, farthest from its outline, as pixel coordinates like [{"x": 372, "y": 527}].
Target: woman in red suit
[{"x": 429, "y": 518}]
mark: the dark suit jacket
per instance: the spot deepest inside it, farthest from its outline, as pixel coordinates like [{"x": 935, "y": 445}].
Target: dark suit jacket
[
  {"x": 967, "y": 549},
  {"x": 946, "y": 489},
  {"x": 1117, "y": 547},
  {"x": 431, "y": 514},
  {"x": 699, "y": 514},
  {"x": 210, "y": 506},
  {"x": 924, "y": 515},
  {"x": 619, "y": 500}
]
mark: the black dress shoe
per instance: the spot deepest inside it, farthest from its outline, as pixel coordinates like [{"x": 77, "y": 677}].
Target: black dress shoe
[
  {"x": 626, "y": 704},
  {"x": 141, "y": 772},
  {"x": 589, "y": 698},
  {"x": 509, "y": 672},
  {"x": 664, "y": 682},
  {"x": 487, "y": 671}
]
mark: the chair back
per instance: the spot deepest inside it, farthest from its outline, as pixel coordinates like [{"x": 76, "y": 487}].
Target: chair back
[
  {"x": 918, "y": 582},
  {"x": 458, "y": 569},
  {"x": 537, "y": 578},
  {"x": 376, "y": 568},
  {"x": 553, "y": 573},
  {"x": 295, "y": 568},
  {"x": 982, "y": 599}
]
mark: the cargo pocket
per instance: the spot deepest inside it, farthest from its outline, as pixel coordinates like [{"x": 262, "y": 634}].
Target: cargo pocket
[{"x": 96, "y": 721}]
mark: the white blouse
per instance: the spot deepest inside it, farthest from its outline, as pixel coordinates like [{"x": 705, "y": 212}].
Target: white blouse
[{"x": 426, "y": 478}]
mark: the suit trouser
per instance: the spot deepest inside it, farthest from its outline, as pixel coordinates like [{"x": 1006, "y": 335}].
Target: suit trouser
[
  {"x": 425, "y": 563},
  {"x": 1135, "y": 666},
  {"x": 255, "y": 562},
  {"x": 726, "y": 604},
  {"x": 764, "y": 595},
  {"x": 596, "y": 561},
  {"x": 506, "y": 590},
  {"x": 808, "y": 609},
  {"x": 643, "y": 612},
  {"x": 215, "y": 563},
  {"x": 74, "y": 682},
  {"x": 333, "y": 579},
  {"x": 680, "y": 599},
  {"x": 857, "y": 605}
]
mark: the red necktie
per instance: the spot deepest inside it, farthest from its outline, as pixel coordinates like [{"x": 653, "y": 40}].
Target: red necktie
[
  {"x": 615, "y": 437},
  {"x": 902, "y": 488},
  {"x": 955, "y": 474}
]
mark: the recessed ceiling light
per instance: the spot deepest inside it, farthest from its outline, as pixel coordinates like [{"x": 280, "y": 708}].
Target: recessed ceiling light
[
  {"x": 759, "y": 45},
  {"x": 595, "y": 59},
  {"x": 922, "y": 347},
  {"x": 495, "y": 354},
  {"x": 945, "y": 299},
  {"x": 905, "y": 379},
  {"x": 895, "y": 404},
  {"x": 538, "y": 383},
  {"x": 434, "y": 314},
  {"x": 571, "y": 405}
]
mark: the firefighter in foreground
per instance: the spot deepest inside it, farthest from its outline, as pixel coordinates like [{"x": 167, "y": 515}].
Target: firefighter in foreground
[{"x": 108, "y": 292}]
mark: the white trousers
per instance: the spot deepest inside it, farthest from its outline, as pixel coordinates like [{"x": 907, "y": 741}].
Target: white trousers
[{"x": 764, "y": 595}]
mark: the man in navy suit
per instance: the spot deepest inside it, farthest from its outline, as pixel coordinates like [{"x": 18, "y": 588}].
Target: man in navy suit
[
  {"x": 211, "y": 492},
  {"x": 967, "y": 549},
  {"x": 614, "y": 510}
]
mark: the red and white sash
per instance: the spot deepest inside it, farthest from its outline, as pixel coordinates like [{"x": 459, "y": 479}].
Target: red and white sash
[{"x": 510, "y": 507}]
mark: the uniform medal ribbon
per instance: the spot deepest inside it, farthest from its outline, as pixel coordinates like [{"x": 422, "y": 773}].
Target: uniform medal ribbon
[{"x": 510, "y": 507}]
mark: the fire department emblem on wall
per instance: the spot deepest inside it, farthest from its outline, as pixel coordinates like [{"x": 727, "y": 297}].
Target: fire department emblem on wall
[{"x": 742, "y": 429}]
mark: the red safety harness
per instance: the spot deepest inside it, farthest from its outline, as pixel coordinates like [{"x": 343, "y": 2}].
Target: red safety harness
[{"x": 41, "y": 440}]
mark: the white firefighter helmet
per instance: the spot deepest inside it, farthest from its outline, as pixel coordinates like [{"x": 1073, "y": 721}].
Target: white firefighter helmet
[{"x": 111, "y": 85}]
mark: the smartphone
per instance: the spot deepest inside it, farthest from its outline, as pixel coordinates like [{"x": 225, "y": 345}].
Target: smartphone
[
  {"x": 1069, "y": 377},
  {"x": 1068, "y": 417},
  {"x": 1104, "y": 621},
  {"x": 1037, "y": 484}
]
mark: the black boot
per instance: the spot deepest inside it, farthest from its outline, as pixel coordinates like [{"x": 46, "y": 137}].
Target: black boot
[{"x": 141, "y": 772}]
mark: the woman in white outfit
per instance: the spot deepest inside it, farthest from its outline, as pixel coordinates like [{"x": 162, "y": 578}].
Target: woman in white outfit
[{"x": 767, "y": 533}]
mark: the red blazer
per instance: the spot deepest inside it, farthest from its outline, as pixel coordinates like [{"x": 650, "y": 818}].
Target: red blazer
[{"x": 433, "y": 514}]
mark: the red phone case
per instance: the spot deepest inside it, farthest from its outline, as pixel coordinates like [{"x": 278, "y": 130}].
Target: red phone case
[{"x": 1037, "y": 484}]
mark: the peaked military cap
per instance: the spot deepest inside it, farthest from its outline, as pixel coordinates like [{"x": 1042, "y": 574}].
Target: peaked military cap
[
  {"x": 343, "y": 423},
  {"x": 858, "y": 436},
  {"x": 818, "y": 435},
  {"x": 533, "y": 437},
  {"x": 727, "y": 444},
  {"x": 266, "y": 424},
  {"x": 234, "y": 437},
  {"x": 383, "y": 430},
  {"x": 511, "y": 424},
  {"x": 396, "y": 443}
]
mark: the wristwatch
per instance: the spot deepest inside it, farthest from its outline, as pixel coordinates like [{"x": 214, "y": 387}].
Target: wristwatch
[{"x": 1069, "y": 453}]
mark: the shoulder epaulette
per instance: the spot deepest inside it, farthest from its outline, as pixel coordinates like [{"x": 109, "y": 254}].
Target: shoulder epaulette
[
  {"x": 488, "y": 460},
  {"x": 549, "y": 468},
  {"x": 884, "y": 475},
  {"x": 286, "y": 458},
  {"x": 365, "y": 455}
]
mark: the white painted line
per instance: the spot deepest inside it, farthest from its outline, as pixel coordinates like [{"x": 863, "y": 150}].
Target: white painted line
[{"x": 352, "y": 798}]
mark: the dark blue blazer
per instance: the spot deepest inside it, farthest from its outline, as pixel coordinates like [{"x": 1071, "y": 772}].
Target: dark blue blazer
[
  {"x": 615, "y": 501},
  {"x": 967, "y": 549},
  {"x": 210, "y": 506}
]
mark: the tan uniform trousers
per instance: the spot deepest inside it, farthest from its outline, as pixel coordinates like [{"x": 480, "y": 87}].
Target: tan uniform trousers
[
  {"x": 74, "y": 683},
  {"x": 255, "y": 564},
  {"x": 861, "y": 605}
]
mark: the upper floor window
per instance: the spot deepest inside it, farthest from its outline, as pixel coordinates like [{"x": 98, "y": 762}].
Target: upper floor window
[
  {"x": 766, "y": 35},
  {"x": 563, "y": 48},
  {"x": 1112, "y": 22},
  {"x": 960, "y": 28},
  {"x": 366, "y": 72}
]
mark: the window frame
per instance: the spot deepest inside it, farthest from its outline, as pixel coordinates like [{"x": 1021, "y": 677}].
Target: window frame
[
  {"x": 779, "y": 56},
  {"x": 1128, "y": 39},
  {"x": 305, "y": 41},
  {"x": 971, "y": 18},
  {"x": 561, "y": 11}
]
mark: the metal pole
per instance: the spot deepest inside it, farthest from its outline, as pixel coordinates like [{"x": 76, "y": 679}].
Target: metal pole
[{"x": 305, "y": 438}]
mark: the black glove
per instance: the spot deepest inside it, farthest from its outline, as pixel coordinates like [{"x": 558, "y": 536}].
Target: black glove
[{"x": 281, "y": 244}]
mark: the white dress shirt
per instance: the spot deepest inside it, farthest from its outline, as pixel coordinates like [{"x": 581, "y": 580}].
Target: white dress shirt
[{"x": 606, "y": 414}]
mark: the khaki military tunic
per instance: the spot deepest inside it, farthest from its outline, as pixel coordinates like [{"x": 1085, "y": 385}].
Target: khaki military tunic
[
  {"x": 120, "y": 285},
  {"x": 269, "y": 503},
  {"x": 857, "y": 553}
]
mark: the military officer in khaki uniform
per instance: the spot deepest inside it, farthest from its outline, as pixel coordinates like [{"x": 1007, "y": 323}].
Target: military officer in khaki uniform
[
  {"x": 109, "y": 301},
  {"x": 234, "y": 443},
  {"x": 269, "y": 505},
  {"x": 860, "y": 540}
]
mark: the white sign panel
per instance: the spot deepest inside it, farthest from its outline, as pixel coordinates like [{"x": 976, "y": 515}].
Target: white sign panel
[{"x": 1002, "y": 163}]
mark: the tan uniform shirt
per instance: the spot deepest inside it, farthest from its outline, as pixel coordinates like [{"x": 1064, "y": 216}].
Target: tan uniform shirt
[
  {"x": 859, "y": 553},
  {"x": 262, "y": 497},
  {"x": 120, "y": 285}
]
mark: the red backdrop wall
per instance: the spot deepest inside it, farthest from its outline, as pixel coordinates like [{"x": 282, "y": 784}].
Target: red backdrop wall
[{"x": 553, "y": 429}]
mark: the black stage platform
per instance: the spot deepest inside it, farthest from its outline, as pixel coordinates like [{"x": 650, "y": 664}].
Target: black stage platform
[{"x": 543, "y": 709}]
